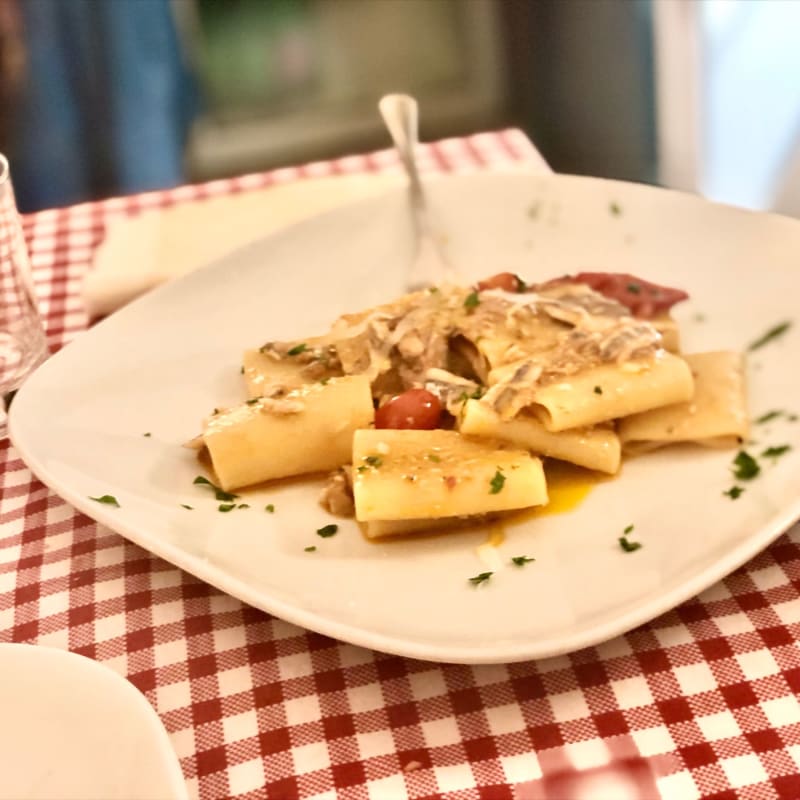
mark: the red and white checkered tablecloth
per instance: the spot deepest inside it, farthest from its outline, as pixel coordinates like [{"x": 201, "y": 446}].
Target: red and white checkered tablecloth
[{"x": 702, "y": 702}]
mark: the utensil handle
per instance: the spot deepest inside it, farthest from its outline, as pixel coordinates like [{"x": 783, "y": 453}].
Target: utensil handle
[{"x": 401, "y": 116}]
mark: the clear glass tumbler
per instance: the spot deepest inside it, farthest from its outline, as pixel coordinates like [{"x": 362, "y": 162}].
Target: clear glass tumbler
[{"x": 22, "y": 340}]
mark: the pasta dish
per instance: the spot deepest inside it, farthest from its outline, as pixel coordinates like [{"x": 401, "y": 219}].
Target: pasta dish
[{"x": 441, "y": 405}]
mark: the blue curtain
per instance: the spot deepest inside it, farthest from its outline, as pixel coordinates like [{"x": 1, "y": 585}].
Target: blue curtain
[{"x": 106, "y": 102}]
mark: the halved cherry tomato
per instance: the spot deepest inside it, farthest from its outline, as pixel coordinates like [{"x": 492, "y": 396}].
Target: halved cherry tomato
[
  {"x": 507, "y": 281},
  {"x": 416, "y": 409}
]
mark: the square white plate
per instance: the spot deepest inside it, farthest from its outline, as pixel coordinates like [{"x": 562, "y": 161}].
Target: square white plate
[{"x": 161, "y": 364}]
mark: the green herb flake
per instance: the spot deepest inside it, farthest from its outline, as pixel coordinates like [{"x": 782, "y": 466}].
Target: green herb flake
[
  {"x": 269, "y": 508},
  {"x": 243, "y": 505},
  {"x": 188, "y": 508},
  {"x": 768, "y": 417},
  {"x": 598, "y": 390},
  {"x": 615, "y": 209},
  {"x": 362, "y": 468},
  {"x": 297, "y": 349},
  {"x": 634, "y": 288},
  {"x": 776, "y": 452},
  {"x": 497, "y": 482},
  {"x": 772, "y": 333},
  {"x": 433, "y": 290},
  {"x": 745, "y": 467},
  {"x": 106, "y": 499},
  {"x": 252, "y": 401},
  {"x": 433, "y": 457},
  {"x": 483, "y": 577},
  {"x": 373, "y": 461},
  {"x": 325, "y": 381},
  {"x": 472, "y": 301},
  {"x": 311, "y": 549},
  {"x": 521, "y": 561},
  {"x": 628, "y": 529},
  {"x": 326, "y": 531},
  {"x": 628, "y": 547},
  {"x": 734, "y": 492},
  {"x": 147, "y": 435},
  {"x": 219, "y": 494},
  {"x": 478, "y": 393},
  {"x": 225, "y": 507}
]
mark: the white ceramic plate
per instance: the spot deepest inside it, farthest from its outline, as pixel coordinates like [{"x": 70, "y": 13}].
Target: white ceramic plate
[
  {"x": 73, "y": 729},
  {"x": 165, "y": 361}
]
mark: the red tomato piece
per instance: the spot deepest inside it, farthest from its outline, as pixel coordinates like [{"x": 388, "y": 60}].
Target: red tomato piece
[
  {"x": 416, "y": 409},
  {"x": 507, "y": 281},
  {"x": 644, "y": 299}
]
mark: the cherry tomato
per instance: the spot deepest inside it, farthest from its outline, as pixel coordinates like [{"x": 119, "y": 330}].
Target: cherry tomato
[
  {"x": 416, "y": 408},
  {"x": 507, "y": 281}
]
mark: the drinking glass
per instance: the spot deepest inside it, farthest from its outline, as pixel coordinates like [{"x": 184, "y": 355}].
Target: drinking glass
[{"x": 22, "y": 340}]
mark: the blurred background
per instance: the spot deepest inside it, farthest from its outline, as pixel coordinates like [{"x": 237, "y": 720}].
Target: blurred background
[{"x": 105, "y": 97}]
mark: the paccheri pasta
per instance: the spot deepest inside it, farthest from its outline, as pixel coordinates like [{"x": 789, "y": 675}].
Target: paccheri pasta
[{"x": 440, "y": 406}]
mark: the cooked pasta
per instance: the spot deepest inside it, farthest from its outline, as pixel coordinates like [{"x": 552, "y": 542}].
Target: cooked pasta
[{"x": 438, "y": 407}]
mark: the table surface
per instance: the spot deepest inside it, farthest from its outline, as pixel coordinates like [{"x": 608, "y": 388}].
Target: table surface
[{"x": 701, "y": 702}]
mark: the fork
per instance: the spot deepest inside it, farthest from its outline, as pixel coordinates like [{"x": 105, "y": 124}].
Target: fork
[{"x": 430, "y": 266}]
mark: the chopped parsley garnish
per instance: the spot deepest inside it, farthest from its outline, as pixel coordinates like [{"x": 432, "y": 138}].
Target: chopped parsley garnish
[
  {"x": 497, "y": 482},
  {"x": 521, "y": 561},
  {"x": 219, "y": 494},
  {"x": 478, "y": 393},
  {"x": 472, "y": 300},
  {"x": 226, "y": 506},
  {"x": 734, "y": 492},
  {"x": 311, "y": 549},
  {"x": 628, "y": 547},
  {"x": 745, "y": 467},
  {"x": 373, "y": 461},
  {"x": 482, "y": 577},
  {"x": 634, "y": 288},
  {"x": 106, "y": 499},
  {"x": 243, "y": 505},
  {"x": 253, "y": 401},
  {"x": 769, "y": 416},
  {"x": 772, "y": 333},
  {"x": 625, "y": 543},
  {"x": 433, "y": 290},
  {"x": 614, "y": 208},
  {"x": 776, "y": 452},
  {"x": 362, "y": 468},
  {"x": 269, "y": 508},
  {"x": 326, "y": 531},
  {"x": 148, "y": 435},
  {"x": 324, "y": 381},
  {"x": 190, "y": 508},
  {"x": 433, "y": 457},
  {"x": 297, "y": 349},
  {"x": 598, "y": 390}
]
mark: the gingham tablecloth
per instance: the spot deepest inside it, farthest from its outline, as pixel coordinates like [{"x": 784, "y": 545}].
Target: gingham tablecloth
[{"x": 699, "y": 703}]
